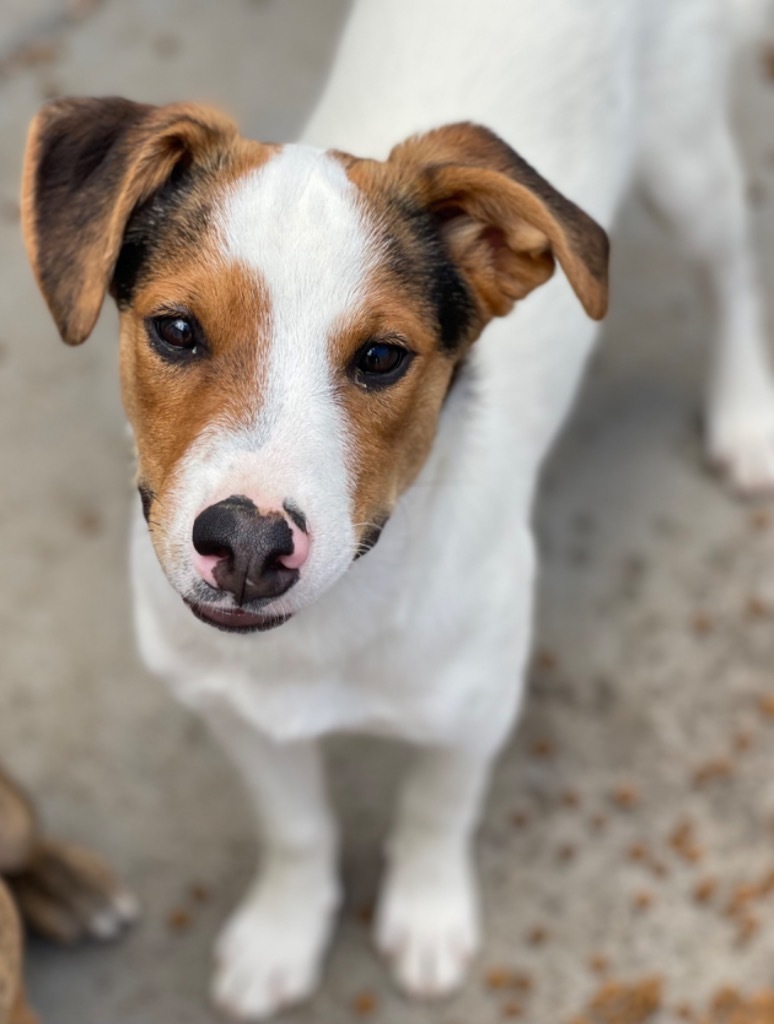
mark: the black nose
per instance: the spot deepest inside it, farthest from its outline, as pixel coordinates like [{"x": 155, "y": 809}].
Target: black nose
[{"x": 249, "y": 546}]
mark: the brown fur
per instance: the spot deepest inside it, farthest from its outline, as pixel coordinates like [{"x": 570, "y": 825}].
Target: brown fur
[
  {"x": 18, "y": 841},
  {"x": 13, "y": 1002},
  {"x": 60, "y": 890},
  {"x": 19, "y": 833},
  {"x": 391, "y": 430},
  {"x": 10, "y": 957}
]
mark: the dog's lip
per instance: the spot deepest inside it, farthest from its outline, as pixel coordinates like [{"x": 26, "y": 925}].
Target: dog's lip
[{"x": 235, "y": 620}]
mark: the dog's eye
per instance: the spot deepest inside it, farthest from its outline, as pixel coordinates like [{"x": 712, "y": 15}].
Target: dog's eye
[
  {"x": 174, "y": 337},
  {"x": 379, "y": 363},
  {"x": 178, "y": 332}
]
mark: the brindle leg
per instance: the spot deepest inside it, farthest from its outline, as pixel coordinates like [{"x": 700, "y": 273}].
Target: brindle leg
[
  {"x": 18, "y": 826},
  {"x": 13, "y": 1004},
  {"x": 22, "y": 1014}
]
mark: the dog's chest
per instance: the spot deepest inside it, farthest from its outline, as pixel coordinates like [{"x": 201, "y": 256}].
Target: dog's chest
[{"x": 386, "y": 668}]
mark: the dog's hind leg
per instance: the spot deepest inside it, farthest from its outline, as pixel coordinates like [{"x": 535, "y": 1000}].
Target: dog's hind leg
[
  {"x": 270, "y": 954},
  {"x": 691, "y": 171}
]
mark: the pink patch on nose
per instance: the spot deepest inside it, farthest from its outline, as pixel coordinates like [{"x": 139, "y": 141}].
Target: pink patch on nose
[
  {"x": 205, "y": 565},
  {"x": 300, "y": 551}
]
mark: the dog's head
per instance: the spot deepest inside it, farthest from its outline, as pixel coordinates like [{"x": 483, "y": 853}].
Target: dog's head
[{"x": 291, "y": 320}]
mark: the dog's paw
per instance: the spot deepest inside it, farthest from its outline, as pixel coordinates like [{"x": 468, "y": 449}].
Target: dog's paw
[
  {"x": 68, "y": 894},
  {"x": 427, "y": 925},
  {"x": 740, "y": 443},
  {"x": 270, "y": 954}
]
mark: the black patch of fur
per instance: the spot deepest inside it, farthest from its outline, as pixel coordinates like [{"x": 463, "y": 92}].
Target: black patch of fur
[
  {"x": 296, "y": 515},
  {"x": 423, "y": 264},
  {"x": 131, "y": 259},
  {"x": 453, "y": 302},
  {"x": 147, "y": 497},
  {"x": 370, "y": 538},
  {"x": 168, "y": 221}
]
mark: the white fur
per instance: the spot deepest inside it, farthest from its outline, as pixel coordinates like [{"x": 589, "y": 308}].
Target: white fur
[{"x": 593, "y": 95}]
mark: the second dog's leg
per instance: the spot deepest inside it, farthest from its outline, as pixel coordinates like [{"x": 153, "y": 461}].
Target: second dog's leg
[
  {"x": 692, "y": 173},
  {"x": 13, "y": 1005},
  {"x": 706, "y": 189},
  {"x": 428, "y": 917},
  {"x": 10, "y": 955},
  {"x": 270, "y": 953}
]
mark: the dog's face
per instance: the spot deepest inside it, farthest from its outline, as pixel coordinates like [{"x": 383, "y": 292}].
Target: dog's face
[{"x": 291, "y": 322}]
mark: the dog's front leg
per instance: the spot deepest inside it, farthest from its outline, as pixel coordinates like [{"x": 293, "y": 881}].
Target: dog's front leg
[
  {"x": 427, "y": 922},
  {"x": 270, "y": 953}
]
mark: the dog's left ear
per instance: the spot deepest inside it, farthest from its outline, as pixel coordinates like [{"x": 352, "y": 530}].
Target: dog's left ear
[
  {"x": 88, "y": 164},
  {"x": 503, "y": 224}
]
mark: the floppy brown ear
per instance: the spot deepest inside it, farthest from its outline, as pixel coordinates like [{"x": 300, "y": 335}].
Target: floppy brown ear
[
  {"x": 88, "y": 164},
  {"x": 504, "y": 225}
]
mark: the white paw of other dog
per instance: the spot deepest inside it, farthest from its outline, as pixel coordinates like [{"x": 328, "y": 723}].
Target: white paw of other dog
[
  {"x": 427, "y": 925},
  {"x": 269, "y": 956},
  {"x": 740, "y": 443}
]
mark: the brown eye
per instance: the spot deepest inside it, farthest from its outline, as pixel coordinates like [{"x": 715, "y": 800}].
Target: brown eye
[
  {"x": 176, "y": 331},
  {"x": 175, "y": 337},
  {"x": 380, "y": 363}
]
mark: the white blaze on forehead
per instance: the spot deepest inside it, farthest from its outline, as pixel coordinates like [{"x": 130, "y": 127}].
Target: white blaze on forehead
[{"x": 297, "y": 221}]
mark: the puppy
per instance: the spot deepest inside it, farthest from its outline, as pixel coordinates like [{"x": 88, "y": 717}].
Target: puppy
[
  {"x": 63, "y": 892},
  {"x": 318, "y": 351}
]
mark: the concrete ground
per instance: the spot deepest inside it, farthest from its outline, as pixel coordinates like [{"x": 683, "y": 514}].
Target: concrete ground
[{"x": 638, "y": 794}]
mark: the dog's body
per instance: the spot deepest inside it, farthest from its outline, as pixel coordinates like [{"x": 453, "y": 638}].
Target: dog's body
[{"x": 427, "y": 637}]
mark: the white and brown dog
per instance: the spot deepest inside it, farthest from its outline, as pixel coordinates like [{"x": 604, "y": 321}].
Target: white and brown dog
[{"x": 304, "y": 370}]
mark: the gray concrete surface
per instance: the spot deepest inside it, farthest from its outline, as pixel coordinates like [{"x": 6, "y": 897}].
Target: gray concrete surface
[{"x": 656, "y": 619}]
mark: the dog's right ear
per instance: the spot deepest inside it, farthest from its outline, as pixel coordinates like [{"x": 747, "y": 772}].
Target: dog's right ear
[
  {"x": 88, "y": 164},
  {"x": 503, "y": 224}
]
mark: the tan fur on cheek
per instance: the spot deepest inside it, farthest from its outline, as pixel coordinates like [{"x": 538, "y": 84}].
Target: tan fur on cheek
[
  {"x": 391, "y": 438},
  {"x": 390, "y": 431},
  {"x": 170, "y": 405}
]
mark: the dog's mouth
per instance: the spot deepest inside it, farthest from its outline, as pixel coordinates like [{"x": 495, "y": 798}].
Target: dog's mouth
[{"x": 235, "y": 620}]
